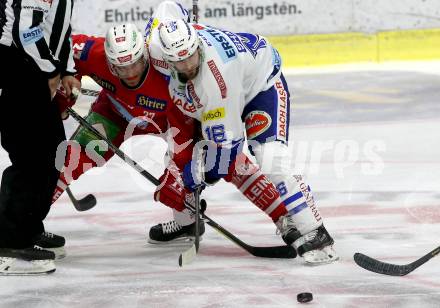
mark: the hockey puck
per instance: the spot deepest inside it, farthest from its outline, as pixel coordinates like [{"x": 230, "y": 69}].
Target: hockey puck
[{"x": 304, "y": 297}]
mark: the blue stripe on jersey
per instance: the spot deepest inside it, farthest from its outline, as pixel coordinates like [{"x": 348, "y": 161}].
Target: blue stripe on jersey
[
  {"x": 223, "y": 159},
  {"x": 293, "y": 198},
  {"x": 298, "y": 208},
  {"x": 85, "y": 51},
  {"x": 126, "y": 115}
]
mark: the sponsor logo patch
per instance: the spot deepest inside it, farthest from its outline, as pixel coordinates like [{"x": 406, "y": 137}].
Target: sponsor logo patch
[
  {"x": 282, "y": 110},
  {"x": 124, "y": 59},
  {"x": 193, "y": 94},
  {"x": 256, "y": 123},
  {"x": 221, "y": 43},
  {"x": 235, "y": 40},
  {"x": 198, "y": 27},
  {"x": 159, "y": 63},
  {"x": 120, "y": 39},
  {"x": 104, "y": 83},
  {"x": 150, "y": 103},
  {"x": 218, "y": 77},
  {"x": 214, "y": 114},
  {"x": 30, "y": 36},
  {"x": 171, "y": 26},
  {"x": 182, "y": 53},
  {"x": 183, "y": 105}
]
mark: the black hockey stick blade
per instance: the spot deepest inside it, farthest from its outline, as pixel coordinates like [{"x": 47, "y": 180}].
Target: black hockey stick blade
[
  {"x": 278, "y": 252},
  {"x": 86, "y": 203},
  {"x": 380, "y": 267},
  {"x": 389, "y": 269},
  {"x": 83, "y": 204}
]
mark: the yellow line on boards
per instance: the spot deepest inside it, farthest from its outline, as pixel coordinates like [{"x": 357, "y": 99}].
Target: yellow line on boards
[{"x": 338, "y": 48}]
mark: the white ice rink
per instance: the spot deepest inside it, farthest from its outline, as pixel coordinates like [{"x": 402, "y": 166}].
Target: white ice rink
[{"x": 368, "y": 139}]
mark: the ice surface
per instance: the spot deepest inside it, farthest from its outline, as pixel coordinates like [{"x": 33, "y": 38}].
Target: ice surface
[{"x": 368, "y": 139}]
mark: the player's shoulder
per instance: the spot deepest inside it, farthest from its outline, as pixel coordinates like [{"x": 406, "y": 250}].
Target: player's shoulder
[
  {"x": 156, "y": 76},
  {"x": 86, "y": 48}
]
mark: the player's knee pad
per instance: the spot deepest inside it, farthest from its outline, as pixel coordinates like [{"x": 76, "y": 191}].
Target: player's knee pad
[
  {"x": 294, "y": 192},
  {"x": 255, "y": 186}
]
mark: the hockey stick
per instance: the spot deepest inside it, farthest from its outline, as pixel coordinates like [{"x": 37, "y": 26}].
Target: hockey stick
[
  {"x": 88, "y": 201},
  {"x": 264, "y": 252},
  {"x": 188, "y": 255},
  {"x": 380, "y": 267},
  {"x": 195, "y": 11},
  {"x": 83, "y": 204},
  {"x": 90, "y": 92}
]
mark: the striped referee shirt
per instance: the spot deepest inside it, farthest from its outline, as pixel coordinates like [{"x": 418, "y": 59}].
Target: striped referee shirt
[{"x": 41, "y": 28}]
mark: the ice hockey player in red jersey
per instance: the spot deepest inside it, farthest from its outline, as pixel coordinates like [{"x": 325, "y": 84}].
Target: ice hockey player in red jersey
[
  {"x": 133, "y": 92},
  {"x": 134, "y": 100}
]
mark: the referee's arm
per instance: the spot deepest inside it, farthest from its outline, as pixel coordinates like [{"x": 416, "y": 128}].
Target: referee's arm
[{"x": 30, "y": 29}]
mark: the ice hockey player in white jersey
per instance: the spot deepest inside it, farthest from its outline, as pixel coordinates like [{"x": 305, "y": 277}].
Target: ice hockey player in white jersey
[{"x": 232, "y": 83}]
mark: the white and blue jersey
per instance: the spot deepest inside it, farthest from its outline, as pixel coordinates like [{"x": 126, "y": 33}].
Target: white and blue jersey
[
  {"x": 239, "y": 92},
  {"x": 239, "y": 81}
]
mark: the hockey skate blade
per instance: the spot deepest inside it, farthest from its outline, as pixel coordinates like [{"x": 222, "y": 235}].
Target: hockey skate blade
[
  {"x": 176, "y": 242},
  {"x": 188, "y": 256},
  {"x": 16, "y": 267},
  {"x": 322, "y": 256},
  {"x": 60, "y": 252}
]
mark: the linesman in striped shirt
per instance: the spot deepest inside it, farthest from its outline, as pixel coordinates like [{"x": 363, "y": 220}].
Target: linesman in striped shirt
[{"x": 36, "y": 54}]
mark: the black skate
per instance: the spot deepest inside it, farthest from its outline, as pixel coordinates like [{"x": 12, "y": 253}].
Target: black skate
[
  {"x": 51, "y": 242},
  {"x": 27, "y": 261},
  {"x": 171, "y": 232}
]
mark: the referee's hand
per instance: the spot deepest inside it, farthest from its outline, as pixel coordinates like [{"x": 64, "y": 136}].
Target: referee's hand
[{"x": 69, "y": 82}]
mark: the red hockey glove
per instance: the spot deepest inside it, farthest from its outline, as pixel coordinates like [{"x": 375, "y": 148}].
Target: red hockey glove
[
  {"x": 171, "y": 190},
  {"x": 64, "y": 102}
]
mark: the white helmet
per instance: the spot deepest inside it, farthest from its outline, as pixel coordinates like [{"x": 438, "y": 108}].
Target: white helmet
[
  {"x": 178, "y": 40},
  {"x": 124, "y": 45}
]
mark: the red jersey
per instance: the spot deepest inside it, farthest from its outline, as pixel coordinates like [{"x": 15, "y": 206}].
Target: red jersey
[{"x": 149, "y": 103}]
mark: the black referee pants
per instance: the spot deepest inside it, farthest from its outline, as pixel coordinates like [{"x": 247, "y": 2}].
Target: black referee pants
[{"x": 30, "y": 130}]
